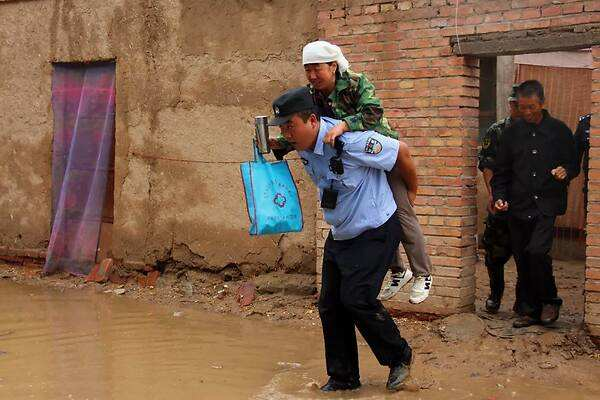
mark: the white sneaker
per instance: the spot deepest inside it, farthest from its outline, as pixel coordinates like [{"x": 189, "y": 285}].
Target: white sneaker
[
  {"x": 420, "y": 289},
  {"x": 396, "y": 282}
]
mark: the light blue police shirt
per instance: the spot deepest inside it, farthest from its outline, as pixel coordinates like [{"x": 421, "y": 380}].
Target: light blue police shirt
[{"x": 365, "y": 200}]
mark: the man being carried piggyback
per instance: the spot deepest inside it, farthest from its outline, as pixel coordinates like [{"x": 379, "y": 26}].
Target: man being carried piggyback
[{"x": 358, "y": 204}]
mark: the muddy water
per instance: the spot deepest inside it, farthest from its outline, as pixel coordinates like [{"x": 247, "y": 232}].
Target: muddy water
[{"x": 80, "y": 345}]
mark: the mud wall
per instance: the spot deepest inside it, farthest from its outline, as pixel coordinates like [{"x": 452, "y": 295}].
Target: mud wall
[{"x": 190, "y": 77}]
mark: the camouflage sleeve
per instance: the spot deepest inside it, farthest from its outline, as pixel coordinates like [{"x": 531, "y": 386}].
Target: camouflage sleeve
[
  {"x": 489, "y": 147},
  {"x": 368, "y": 108},
  {"x": 286, "y": 147}
]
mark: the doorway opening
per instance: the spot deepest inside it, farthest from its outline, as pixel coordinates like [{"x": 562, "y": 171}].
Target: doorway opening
[
  {"x": 567, "y": 80},
  {"x": 83, "y": 102}
]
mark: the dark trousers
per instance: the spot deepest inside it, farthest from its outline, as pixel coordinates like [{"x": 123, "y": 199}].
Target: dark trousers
[
  {"x": 496, "y": 241},
  {"x": 531, "y": 243},
  {"x": 353, "y": 271}
]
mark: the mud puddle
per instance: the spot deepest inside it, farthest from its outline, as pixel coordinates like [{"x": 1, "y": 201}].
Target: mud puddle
[{"x": 69, "y": 344}]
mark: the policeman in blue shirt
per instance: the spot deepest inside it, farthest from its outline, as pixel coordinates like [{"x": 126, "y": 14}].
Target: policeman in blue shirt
[{"x": 358, "y": 204}]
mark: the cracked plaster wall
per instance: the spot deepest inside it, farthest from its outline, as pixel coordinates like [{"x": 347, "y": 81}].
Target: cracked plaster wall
[{"x": 191, "y": 75}]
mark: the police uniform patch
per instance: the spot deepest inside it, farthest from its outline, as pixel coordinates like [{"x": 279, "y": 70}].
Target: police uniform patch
[
  {"x": 486, "y": 142},
  {"x": 373, "y": 146}
]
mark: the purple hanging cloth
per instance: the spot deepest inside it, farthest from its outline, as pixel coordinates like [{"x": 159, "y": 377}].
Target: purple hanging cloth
[{"x": 83, "y": 101}]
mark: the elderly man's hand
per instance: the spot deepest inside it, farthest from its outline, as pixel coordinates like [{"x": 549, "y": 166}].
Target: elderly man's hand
[
  {"x": 275, "y": 144},
  {"x": 501, "y": 205},
  {"x": 334, "y": 132},
  {"x": 559, "y": 173}
]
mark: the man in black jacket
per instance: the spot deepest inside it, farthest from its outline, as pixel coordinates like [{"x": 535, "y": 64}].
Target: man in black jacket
[{"x": 535, "y": 162}]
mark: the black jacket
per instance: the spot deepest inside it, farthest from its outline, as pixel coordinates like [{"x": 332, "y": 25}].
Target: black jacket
[{"x": 526, "y": 155}]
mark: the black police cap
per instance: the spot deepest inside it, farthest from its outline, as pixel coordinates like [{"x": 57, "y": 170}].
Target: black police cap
[
  {"x": 291, "y": 102},
  {"x": 513, "y": 93}
]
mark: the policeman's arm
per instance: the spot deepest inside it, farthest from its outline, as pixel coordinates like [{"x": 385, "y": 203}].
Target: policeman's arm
[{"x": 405, "y": 168}]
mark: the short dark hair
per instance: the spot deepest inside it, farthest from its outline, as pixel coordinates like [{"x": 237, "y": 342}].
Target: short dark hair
[
  {"x": 305, "y": 115},
  {"x": 531, "y": 88}
]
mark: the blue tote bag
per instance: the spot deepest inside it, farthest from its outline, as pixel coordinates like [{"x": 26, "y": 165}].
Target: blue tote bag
[{"x": 271, "y": 196}]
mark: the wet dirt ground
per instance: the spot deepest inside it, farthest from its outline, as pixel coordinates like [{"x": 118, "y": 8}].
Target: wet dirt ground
[{"x": 63, "y": 339}]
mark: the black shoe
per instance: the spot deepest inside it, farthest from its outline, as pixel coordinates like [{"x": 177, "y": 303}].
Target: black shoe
[
  {"x": 517, "y": 310},
  {"x": 525, "y": 321},
  {"x": 333, "y": 385},
  {"x": 521, "y": 309},
  {"x": 549, "y": 314},
  {"x": 398, "y": 375},
  {"x": 492, "y": 304}
]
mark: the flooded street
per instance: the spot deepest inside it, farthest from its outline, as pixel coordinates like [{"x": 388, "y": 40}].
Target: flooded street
[
  {"x": 78, "y": 344},
  {"x": 63, "y": 345}
]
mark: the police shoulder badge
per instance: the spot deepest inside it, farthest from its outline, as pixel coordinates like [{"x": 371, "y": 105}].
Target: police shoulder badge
[
  {"x": 486, "y": 142},
  {"x": 373, "y": 146}
]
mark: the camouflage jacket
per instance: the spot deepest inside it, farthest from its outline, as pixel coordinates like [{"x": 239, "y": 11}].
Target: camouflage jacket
[
  {"x": 353, "y": 100},
  {"x": 489, "y": 143},
  {"x": 582, "y": 142}
]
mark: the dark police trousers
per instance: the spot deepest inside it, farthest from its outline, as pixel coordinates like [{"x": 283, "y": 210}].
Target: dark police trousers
[
  {"x": 531, "y": 242},
  {"x": 496, "y": 241},
  {"x": 353, "y": 271}
]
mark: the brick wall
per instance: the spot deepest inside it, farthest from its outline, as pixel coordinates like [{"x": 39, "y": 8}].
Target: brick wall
[
  {"x": 592, "y": 276},
  {"x": 431, "y": 98}
]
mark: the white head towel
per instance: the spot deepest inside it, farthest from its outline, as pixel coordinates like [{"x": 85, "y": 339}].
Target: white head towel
[{"x": 323, "y": 52}]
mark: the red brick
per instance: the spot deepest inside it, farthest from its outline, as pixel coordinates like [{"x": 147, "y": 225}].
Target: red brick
[
  {"x": 512, "y": 15},
  {"x": 592, "y": 273},
  {"x": 572, "y": 8},
  {"x": 338, "y": 14},
  {"x": 528, "y": 3},
  {"x": 551, "y": 11},
  {"x": 592, "y": 5},
  {"x": 372, "y": 9},
  {"x": 592, "y": 297},
  {"x": 150, "y": 279},
  {"x": 592, "y": 309},
  {"x": 592, "y": 286},
  {"x": 531, "y": 13},
  {"x": 100, "y": 272},
  {"x": 496, "y": 27},
  {"x": 534, "y": 24},
  {"x": 575, "y": 19},
  {"x": 323, "y": 15}
]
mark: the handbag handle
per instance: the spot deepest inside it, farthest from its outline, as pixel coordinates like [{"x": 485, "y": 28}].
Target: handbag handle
[{"x": 258, "y": 157}]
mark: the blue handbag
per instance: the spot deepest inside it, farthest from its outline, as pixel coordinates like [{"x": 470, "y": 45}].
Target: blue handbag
[{"x": 271, "y": 196}]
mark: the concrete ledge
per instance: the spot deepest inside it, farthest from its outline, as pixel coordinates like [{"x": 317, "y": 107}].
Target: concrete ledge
[{"x": 22, "y": 255}]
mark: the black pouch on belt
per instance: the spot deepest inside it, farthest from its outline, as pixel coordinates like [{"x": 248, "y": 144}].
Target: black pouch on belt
[{"x": 329, "y": 198}]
